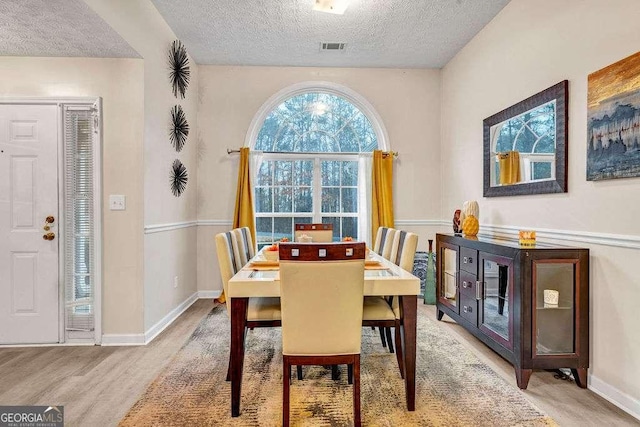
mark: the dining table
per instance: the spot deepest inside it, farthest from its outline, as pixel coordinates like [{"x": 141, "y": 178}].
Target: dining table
[{"x": 260, "y": 278}]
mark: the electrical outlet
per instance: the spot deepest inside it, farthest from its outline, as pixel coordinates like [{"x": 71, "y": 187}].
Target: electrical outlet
[
  {"x": 117, "y": 202},
  {"x": 175, "y": 282}
]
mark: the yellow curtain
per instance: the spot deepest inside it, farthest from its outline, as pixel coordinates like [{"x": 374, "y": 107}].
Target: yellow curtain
[
  {"x": 243, "y": 213},
  {"x": 382, "y": 189},
  {"x": 509, "y": 163}
]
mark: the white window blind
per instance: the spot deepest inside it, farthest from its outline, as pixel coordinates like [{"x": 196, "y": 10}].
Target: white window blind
[{"x": 79, "y": 238}]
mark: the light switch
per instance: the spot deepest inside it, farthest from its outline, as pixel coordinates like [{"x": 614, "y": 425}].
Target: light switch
[
  {"x": 322, "y": 253},
  {"x": 117, "y": 202},
  {"x": 295, "y": 252}
]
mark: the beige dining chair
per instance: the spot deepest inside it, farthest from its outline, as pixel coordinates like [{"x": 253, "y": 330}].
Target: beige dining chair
[
  {"x": 399, "y": 247},
  {"x": 321, "y": 292},
  {"x": 319, "y": 233},
  {"x": 235, "y": 249}
]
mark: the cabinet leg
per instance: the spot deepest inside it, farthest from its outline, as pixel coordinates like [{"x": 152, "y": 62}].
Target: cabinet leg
[
  {"x": 440, "y": 314},
  {"x": 580, "y": 375},
  {"x": 522, "y": 377}
]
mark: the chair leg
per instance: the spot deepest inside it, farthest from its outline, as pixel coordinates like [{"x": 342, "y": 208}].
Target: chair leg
[
  {"x": 299, "y": 369},
  {"x": 350, "y": 374},
  {"x": 285, "y": 391},
  {"x": 357, "y": 422},
  {"x": 389, "y": 340},
  {"x": 229, "y": 370},
  {"x": 382, "y": 338},
  {"x": 399, "y": 354},
  {"x": 335, "y": 374}
]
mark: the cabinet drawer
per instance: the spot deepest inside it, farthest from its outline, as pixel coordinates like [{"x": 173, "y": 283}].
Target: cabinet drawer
[
  {"x": 468, "y": 284},
  {"x": 469, "y": 260},
  {"x": 469, "y": 309}
]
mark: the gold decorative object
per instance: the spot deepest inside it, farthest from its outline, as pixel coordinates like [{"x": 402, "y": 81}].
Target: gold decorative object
[
  {"x": 527, "y": 238},
  {"x": 470, "y": 207},
  {"x": 470, "y": 226}
]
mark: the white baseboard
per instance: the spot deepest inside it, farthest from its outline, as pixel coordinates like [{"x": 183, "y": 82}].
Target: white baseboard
[
  {"x": 209, "y": 294},
  {"x": 163, "y": 323},
  {"x": 155, "y": 330},
  {"x": 619, "y": 398},
  {"x": 122, "y": 339}
]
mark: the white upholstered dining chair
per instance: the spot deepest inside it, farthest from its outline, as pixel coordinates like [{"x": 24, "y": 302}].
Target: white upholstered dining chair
[
  {"x": 235, "y": 249},
  {"x": 319, "y": 233},
  {"x": 321, "y": 291},
  {"x": 399, "y": 247}
]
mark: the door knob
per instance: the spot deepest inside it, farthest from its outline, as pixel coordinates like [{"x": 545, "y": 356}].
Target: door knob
[
  {"x": 49, "y": 236},
  {"x": 48, "y": 220}
]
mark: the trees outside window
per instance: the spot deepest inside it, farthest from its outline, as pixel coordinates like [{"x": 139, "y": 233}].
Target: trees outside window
[{"x": 309, "y": 171}]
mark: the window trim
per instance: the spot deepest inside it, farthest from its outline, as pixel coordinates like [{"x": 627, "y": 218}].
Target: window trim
[{"x": 324, "y": 87}]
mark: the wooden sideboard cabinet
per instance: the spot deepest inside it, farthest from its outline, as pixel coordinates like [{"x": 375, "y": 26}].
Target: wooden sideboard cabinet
[{"x": 530, "y": 305}]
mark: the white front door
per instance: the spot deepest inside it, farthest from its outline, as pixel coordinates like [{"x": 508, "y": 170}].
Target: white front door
[{"x": 29, "y": 292}]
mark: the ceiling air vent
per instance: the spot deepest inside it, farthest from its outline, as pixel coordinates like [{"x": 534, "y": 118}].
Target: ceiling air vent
[{"x": 332, "y": 47}]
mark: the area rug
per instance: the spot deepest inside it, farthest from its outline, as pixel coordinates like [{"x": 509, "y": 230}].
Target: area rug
[{"x": 453, "y": 388}]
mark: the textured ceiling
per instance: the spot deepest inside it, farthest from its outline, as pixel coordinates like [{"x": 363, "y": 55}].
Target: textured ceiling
[
  {"x": 378, "y": 33},
  {"x": 57, "y": 28}
]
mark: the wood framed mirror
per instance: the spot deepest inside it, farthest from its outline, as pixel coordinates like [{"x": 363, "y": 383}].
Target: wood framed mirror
[{"x": 525, "y": 145}]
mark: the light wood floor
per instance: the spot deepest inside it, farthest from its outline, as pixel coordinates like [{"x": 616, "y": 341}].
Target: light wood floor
[{"x": 98, "y": 385}]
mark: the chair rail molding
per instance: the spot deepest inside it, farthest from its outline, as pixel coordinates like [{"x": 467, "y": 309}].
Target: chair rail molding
[
  {"x": 606, "y": 239},
  {"x": 215, "y": 222},
  {"x": 628, "y": 241},
  {"x": 419, "y": 222},
  {"x": 159, "y": 228}
]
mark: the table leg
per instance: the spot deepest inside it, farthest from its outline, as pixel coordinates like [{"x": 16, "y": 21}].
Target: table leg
[
  {"x": 238, "y": 325},
  {"x": 408, "y": 320}
]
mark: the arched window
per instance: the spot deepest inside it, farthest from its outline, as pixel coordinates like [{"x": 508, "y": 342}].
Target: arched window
[{"x": 312, "y": 170}]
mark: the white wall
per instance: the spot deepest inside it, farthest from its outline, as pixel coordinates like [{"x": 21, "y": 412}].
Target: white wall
[
  {"x": 406, "y": 100},
  {"x": 171, "y": 253},
  {"x": 119, "y": 83},
  {"x": 528, "y": 47}
]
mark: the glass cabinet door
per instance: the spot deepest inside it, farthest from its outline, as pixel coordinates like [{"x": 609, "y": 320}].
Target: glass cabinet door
[
  {"x": 496, "y": 297},
  {"x": 448, "y": 283},
  {"x": 554, "y": 306}
]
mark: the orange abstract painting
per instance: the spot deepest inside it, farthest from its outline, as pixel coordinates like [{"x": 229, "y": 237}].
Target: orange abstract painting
[{"x": 614, "y": 121}]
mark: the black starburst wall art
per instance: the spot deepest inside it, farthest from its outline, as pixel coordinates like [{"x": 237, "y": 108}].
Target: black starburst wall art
[
  {"x": 179, "y": 128},
  {"x": 179, "y": 178},
  {"x": 179, "y": 73}
]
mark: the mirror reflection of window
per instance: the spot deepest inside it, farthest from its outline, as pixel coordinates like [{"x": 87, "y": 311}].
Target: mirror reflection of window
[{"x": 524, "y": 147}]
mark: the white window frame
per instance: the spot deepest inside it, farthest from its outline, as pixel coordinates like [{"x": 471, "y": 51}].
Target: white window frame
[
  {"x": 322, "y": 87},
  {"x": 316, "y": 213}
]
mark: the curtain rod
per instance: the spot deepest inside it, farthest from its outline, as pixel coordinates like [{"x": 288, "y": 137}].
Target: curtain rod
[{"x": 395, "y": 154}]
